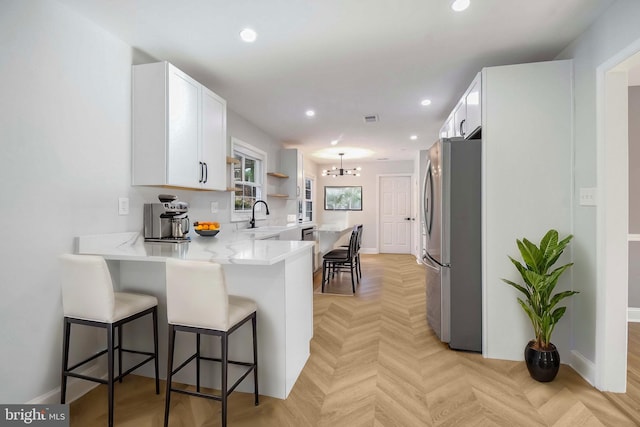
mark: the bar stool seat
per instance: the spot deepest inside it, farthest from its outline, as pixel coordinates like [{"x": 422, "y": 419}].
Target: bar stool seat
[
  {"x": 88, "y": 299},
  {"x": 198, "y": 302}
]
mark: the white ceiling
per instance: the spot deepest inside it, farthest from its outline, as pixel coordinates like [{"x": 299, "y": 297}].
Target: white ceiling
[{"x": 343, "y": 58}]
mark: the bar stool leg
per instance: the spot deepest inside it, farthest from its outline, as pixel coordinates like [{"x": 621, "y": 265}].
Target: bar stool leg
[
  {"x": 353, "y": 283},
  {"x": 255, "y": 359},
  {"x": 198, "y": 363},
  {"x": 324, "y": 269},
  {"x": 110, "y": 370},
  {"x": 224, "y": 340},
  {"x": 65, "y": 360},
  {"x": 172, "y": 338},
  {"x": 155, "y": 348},
  {"x": 119, "y": 353}
]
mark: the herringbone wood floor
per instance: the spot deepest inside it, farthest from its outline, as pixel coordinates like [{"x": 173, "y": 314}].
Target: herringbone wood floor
[{"x": 374, "y": 362}]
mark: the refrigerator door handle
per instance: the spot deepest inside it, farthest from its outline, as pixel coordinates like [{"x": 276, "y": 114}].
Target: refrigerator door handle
[{"x": 435, "y": 261}]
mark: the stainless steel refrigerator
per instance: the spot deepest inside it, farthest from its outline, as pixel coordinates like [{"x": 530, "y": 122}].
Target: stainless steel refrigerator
[{"x": 452, "y": 247}]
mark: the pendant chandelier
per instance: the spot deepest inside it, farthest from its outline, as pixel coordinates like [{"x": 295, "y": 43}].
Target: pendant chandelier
[{"x": 341, "y": 171}]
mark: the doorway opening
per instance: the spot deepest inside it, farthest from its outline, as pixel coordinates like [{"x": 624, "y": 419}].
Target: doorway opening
[{"x": 612, "y": 218}]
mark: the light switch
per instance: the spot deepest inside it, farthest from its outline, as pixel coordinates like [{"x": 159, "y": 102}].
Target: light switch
[
  {"x": 214, "y": 207},
  {"x": 588, "y": 196},
  {"x": 123, "y": 206}
]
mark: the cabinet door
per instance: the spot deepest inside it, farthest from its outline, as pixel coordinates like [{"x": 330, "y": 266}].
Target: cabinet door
[
  {"x": 213, "y": 141},
  {"x": 182, "y": 145},
  {"x": 474, "y": 109},
  {"x": 446, "y": 131},
  {"x": 459, "y": 118},
  {"x": 291, "y": 165}
]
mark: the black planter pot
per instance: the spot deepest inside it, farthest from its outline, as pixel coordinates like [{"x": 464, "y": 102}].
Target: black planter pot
[{"x": 543, "y": 365}]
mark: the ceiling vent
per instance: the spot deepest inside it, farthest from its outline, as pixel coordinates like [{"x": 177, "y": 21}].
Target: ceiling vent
[{"x": 372, "y": 118}]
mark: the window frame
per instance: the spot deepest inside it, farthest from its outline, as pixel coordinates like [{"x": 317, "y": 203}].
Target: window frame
[
  {"x": 311, "y": 199},
  {"x": 344, "y": 188},
  {"x": 246, "y": 150}
]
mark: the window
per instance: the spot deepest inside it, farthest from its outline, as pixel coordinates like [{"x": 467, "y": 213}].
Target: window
[
  {"x": 248, "y": 176},
  {"x": 308, "y": 199},
  {"x": 343, "y": 198}
]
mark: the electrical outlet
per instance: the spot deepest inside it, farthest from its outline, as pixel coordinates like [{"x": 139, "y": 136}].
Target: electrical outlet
[
  {"x": 123, "y": 206},
  {"x": 588, "y": 196},
  {"x": 214, "y": 207}
]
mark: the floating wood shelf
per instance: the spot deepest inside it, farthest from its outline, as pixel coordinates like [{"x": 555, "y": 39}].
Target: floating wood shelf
[
  {"x": 277, "y": 174},
  {"x": 232, "y": 160},
  {"x": 282, "y": 196}
]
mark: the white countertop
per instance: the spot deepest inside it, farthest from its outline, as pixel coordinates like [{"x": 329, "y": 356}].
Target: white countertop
[
  {"x": 227, "y": 247},
  {"x": 334, "y": 228}
]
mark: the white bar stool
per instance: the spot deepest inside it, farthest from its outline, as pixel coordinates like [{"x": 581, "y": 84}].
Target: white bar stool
[
  {"x": 197, "y": 302},
  {"x": 88, "y": 299}
]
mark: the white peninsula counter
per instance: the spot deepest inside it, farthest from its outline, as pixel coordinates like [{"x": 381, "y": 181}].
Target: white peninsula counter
[{"x": 276, "y": 274}]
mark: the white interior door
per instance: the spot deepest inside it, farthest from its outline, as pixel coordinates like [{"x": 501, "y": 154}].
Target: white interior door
[{"x": 395, "y": 214}]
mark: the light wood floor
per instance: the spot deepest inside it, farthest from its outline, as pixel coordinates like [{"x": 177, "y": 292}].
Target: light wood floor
[
  {"x": 629, "y": 402},
  {"x": 374, "y": 362}
]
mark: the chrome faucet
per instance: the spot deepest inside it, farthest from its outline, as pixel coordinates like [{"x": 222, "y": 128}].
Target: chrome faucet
[{"x": 252, "y": 223}]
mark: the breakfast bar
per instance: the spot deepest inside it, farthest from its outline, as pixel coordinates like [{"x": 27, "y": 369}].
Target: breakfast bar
[{"x": 277, "y": 274}]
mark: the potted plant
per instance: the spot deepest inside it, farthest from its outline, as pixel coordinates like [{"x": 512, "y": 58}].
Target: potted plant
[{"x": 539, "y": 302}]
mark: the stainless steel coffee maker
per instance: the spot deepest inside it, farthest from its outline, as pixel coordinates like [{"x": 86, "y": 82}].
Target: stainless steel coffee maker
[{"x": 166, "y": 221}]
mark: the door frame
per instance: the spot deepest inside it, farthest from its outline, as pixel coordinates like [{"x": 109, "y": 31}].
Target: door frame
[
  {"x": 612, "y": 219},
  {"x": 412, "y": 191}
]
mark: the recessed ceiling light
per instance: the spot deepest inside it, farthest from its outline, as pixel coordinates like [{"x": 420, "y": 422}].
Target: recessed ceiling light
[
  {"x": 334, "y": 142},
  {"x": 425, "y": 102},
  {"x": 310, "y": 113},
  {"x": 460, "y": 5},
  {"x": 413, "y": 137},
  {"x": 248, "y": 35}
]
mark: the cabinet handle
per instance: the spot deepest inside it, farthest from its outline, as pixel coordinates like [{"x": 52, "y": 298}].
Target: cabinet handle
[
  {"x": 206, "y": 172},
  {"x": 201, "y": 172},
  {"x": 461, "y": 127}
]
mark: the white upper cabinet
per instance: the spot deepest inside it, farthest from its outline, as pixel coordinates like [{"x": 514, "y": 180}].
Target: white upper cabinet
[
  {"x": 179, "y": 130},
  {"x": 459, "y": 117},
  {"x": 446, "y": 131},
  {"x": 291, "y": 163},
  {"x": 214, "y": 140},
  {"x": 466, "y": 118},
  {"x": 472, "y": 98}
]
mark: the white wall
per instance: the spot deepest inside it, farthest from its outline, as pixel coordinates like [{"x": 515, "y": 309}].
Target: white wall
[
  {"x": 65, "y": 125},
  {"x": 368, "y": 179},
  {"x": 527, "y": 144},
  {"x": 612, "y": 32}
]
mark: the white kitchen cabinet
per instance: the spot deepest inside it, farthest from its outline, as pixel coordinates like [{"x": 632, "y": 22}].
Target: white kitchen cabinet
[
  {"x": 446, "y": 131},
  {"x": 472, "y": 102},
  {"x": 179, "y": 130},
  {"x": 291, "y": 164},
  {"x": 466, "y": 118},
  {"x": 459, "y": 116}
]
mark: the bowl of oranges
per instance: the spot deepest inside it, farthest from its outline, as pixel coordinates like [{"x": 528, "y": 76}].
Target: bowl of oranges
[{"x": 206, "y": 228}]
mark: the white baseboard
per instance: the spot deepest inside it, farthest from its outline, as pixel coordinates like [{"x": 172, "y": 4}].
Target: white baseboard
[
  {"x": 76, "y": 388},
  {"x": 633, "y": 314},
  {"x": 583, "y": 366}
]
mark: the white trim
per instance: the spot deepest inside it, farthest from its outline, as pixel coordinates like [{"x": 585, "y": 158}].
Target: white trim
[
  {"x": 583, "y": 366},
  {"x": 633, "y": 314},
  {"x": 612, "y": 280},
  {"x": 76, "y": 387},
  {"x": 634, "y": 237}
]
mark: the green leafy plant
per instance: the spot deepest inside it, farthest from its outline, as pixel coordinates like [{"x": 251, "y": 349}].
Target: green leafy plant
[{"x": 540, "y": 302}]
